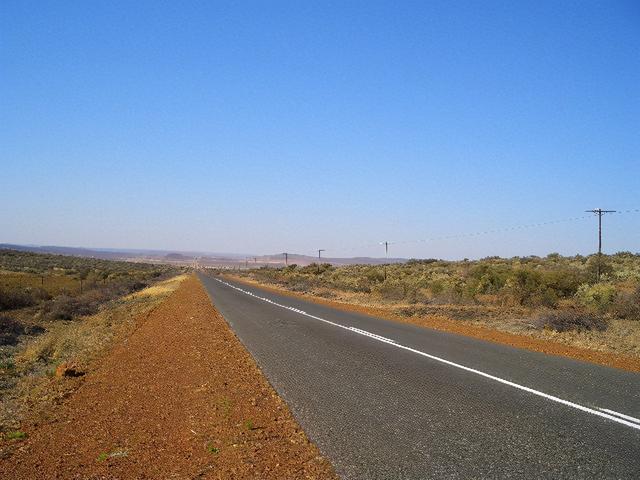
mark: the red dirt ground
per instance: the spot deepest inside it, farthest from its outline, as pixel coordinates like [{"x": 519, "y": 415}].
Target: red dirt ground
[{"x": 179, "y": 398}]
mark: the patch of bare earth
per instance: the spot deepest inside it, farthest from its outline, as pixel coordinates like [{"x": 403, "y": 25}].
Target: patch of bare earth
[
  {"x": 602, "y": 348},
  {"x": 178, "y": 398}
]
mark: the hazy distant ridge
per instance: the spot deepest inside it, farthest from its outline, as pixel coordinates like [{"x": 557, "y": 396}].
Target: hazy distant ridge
[{"x": 203, "y": 258}]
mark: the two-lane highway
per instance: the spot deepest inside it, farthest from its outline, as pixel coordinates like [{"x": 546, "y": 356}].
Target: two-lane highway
[{"x": 389, "y": 400}]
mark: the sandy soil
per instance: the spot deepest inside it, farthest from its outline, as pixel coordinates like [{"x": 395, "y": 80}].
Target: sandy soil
[
  {"x": 179, "y": 398},
  {"x": 551, "y": 345}
]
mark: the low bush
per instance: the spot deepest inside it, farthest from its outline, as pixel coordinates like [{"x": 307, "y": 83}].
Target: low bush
[
  {"x": 300, "y": 286},
  {"x": 65, "y": 307},
  {"x": 39, "y": 294},
  {"x": 10, "y": 330},
  {"x": 527, "y": 287},
  {"x": 11, "y": 299},
  {"x": 531, "y": 282},
  {"x": 391, "y": 290},
  {"x": 599, "y": 296},
  {"x": 137, "y": 286},
  {"x": 571, "y": 320},
  {"x": 627, "y": 304}
]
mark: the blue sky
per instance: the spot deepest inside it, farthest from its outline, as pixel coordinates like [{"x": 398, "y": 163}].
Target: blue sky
[{"x": 261, "y": 127}]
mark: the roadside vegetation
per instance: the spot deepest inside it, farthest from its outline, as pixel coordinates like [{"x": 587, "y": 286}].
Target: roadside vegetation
[
  {"x": 552, "y": 296},
  {"x": 57, "y": 312}
]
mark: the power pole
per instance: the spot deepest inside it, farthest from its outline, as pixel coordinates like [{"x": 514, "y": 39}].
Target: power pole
[
  {"x": 286, "y": 259},
  {"x": 386, "y": 257},
  {"x": 599, "y": 212},
  {"x": 320, "y": 250}
]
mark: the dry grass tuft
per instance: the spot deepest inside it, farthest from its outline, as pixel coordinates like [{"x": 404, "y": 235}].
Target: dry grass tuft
[{"x": 161, "y": 289}]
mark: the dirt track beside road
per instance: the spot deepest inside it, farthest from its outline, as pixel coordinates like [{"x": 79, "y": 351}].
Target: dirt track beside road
[{"x": 179, "y": 398}]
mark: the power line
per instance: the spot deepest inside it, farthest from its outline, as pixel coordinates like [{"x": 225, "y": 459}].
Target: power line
[
  {"x": 496, "y": 230},
  {"x": 463, "y": 235},
  {"x": 477, "y": 233}
]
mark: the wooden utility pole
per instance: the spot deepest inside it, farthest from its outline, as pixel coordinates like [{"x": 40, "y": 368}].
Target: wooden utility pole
[
  {"x": 386, "y": 258},
  {"x": 286, "y": 259},
  {"x": 599, "y": 212},
  {"x": 320, "y": 250}
]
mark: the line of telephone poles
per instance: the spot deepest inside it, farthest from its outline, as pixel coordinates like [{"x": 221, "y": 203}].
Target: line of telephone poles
[{"x": 597, "y": 211}]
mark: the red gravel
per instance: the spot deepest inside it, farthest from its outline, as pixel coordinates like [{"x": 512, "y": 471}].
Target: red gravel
[{"x": 179, "y": 398}]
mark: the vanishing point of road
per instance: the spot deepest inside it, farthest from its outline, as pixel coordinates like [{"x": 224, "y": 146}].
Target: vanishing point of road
[{"x": 386, "y": 400}]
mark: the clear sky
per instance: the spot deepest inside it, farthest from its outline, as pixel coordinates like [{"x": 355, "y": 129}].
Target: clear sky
[{"x": 263, "y": 127}]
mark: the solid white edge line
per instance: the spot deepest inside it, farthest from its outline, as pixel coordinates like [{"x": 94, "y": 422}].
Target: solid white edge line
[
  {"x": 622, "y": 415},
  {"x": 603, "y": 414}
]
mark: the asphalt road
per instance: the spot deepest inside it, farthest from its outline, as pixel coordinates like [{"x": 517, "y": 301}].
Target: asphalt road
[{"x": 387, "y": 400}]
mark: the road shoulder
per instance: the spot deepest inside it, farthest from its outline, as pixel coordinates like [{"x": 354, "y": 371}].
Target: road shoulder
[{"x": 179, "y": 398}]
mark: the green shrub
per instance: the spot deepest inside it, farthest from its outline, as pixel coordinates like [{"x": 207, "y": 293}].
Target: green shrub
[
  {"x": 519, "y": 281},
  {"x": 391, "y": 290},
  {"x": 526, "y": 287},
  {"x": 563, "y": 281},
  {"x": 599, "y": 296},
  {"x": 486, "y": 279},
  {"x": 16, "y": 435},
  {"x": 606, "y": 266}
]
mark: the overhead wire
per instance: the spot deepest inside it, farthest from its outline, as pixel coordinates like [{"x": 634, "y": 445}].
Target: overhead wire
[{"x": 479, "y": 233}]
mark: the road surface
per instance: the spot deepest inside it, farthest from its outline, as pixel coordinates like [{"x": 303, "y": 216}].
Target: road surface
[{"x": 383, "y": 399}]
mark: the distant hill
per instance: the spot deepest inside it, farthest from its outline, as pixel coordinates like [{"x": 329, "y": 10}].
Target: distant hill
[
  {"x": 231, "y": 260},
  {"x": 308, "y": 259},
  {"x": 71, "y": 251},
  {"x": 177, "y": 256}
]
